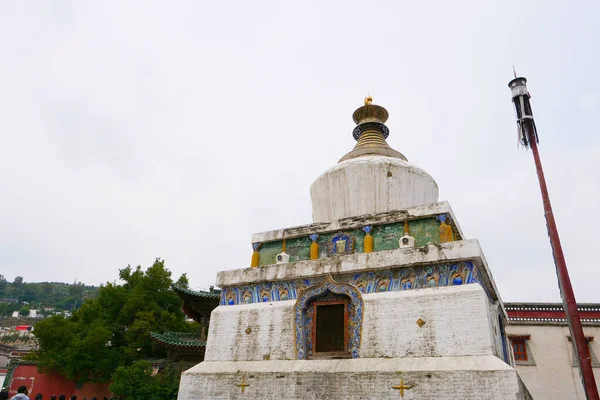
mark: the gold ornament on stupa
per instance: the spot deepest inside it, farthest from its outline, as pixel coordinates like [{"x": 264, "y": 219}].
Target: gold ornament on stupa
[{"x": 371, "y": 132}]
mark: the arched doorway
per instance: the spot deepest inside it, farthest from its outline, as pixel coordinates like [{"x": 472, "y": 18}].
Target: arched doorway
[{"x": 328, "y": 321}]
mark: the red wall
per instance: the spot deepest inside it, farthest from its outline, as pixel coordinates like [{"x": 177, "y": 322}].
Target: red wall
[{"x": 28, "y": 375}]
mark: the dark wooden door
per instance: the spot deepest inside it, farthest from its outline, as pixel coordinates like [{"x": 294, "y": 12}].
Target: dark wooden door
[{"x": 330, "y": 333}]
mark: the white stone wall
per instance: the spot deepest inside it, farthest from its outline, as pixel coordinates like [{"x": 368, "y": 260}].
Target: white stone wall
[
  {"x": 553, "y": 377},
  {"x": 457, "y": 323},
  {"x": 370, "y": 185},
  {"x": 440, "y": 378},
  {"x": 271, "y": 334}
]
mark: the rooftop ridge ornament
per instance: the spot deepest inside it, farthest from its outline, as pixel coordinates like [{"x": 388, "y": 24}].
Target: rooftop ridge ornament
[{"x": 371, "y": 132}]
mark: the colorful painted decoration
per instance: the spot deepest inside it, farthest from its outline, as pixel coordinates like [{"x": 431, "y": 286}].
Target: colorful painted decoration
[
  {"x": 368, "y": 241},
  {"x": 323, "y": 288},
  {"x": 314, "y": 247},
  {"x": 446, "y": 233},
  {"x": 342, "y": 243},
  {"x": 397, "y": 279},
  {"x": 255, "y": 255},
  {"x": 283, "y": 257}
]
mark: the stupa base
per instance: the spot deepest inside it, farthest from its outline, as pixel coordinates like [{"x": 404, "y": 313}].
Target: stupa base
[{"x": 440, "y": 378}]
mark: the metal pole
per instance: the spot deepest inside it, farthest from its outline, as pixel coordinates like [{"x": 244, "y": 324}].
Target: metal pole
[{"x": 564, "y": 282}]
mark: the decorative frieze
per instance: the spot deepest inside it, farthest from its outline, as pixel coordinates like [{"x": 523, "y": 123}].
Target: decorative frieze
[
  {"x": 432, "y": 229},
  {"x": 397, "y": 279}
]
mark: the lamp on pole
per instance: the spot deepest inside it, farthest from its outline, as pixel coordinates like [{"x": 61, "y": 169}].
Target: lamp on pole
[{"x": 528, "y": 137}]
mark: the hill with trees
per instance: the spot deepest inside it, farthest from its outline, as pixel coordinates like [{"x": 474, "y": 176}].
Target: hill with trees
[{"x": 19, "y": 295}]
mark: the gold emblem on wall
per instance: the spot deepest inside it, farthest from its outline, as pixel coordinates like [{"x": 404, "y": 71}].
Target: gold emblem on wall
[
  {"x": 243, "y": 385},
  {"x": 401, "y": 387}
]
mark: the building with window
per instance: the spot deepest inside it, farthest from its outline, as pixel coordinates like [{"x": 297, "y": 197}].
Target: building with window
[{"x": 543, "y": 350}]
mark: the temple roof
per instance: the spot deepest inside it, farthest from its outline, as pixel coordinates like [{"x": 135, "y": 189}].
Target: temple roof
[
  {"x": 214, "y": 294},
  {"x": 179, "y": 340},
  {"x": 550, "y": 313},
  {"x": 198, "y": 304}
]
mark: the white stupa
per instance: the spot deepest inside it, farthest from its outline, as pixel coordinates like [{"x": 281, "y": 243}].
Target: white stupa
[{"x": 380, "y": 298}]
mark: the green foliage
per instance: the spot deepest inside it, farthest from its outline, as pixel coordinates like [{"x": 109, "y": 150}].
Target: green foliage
[
  {"x": 137, "y": 382},
  {"x": 61, "y": 296},
  {"x": 183, "y": 281},
  {"x": 6, "y": 309},
  {"x": 24, "y": 311},
  {"x": 113, "y": 329}
]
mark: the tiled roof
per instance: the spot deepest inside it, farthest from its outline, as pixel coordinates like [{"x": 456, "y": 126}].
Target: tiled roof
[
  {"x": 550, "y": 313},
  {"x": 198, "y": 304},
  {"x": 216, "y": 294},
  {"x": 179, "y": 340}
]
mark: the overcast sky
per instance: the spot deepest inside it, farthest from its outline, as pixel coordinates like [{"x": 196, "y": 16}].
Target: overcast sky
[{"x": 141, "y": 129}]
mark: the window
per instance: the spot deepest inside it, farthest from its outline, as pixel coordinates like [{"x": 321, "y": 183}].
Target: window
[
  {"x": 575, "y": 361},
  {"x": 521, "y": 351}
]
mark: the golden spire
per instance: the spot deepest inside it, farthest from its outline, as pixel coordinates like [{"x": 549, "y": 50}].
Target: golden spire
[{"x": 371, "y": 132}]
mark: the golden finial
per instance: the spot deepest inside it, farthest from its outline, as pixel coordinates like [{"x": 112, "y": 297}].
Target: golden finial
[{"x": 370, "y": 134}]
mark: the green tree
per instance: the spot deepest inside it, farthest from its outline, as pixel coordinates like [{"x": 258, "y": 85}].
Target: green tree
[
  {"x": 17, "y": 288},
  {"x": 137, "y": 382},
  {"x": 51, "y": 294},
  {"x": 114, "y": 328},
  {"x": 183, "y": 281},
  {"x": 24, "y": 311},
  {"x": 6, "y": 309}
]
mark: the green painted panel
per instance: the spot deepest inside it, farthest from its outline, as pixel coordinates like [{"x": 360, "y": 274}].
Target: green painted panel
[
  {"x": 298, "y": 248},
  {"x": 425, "y": 231},
  {"x": 359, "y": 240},
  {"x": 385, "y": 237},
  {"x": 268, "y": 251}
]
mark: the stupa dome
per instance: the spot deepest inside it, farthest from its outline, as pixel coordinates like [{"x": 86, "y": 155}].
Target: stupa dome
[{"x": 373, "y": 177}]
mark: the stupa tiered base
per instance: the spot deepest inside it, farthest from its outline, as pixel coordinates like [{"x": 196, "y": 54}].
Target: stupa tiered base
[
  {"x": 440, "y": 378},
  {"x": 428, "y": 315}
]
